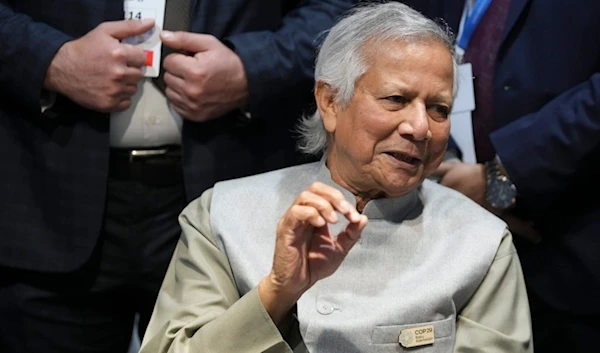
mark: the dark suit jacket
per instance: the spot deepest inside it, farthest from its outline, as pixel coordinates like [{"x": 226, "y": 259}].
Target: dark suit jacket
[
  {"x": 55, "y": 165},
  {"x": 547, "y": 133}
]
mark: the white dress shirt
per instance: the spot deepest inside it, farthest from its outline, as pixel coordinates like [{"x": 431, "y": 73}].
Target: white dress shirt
[{"x": 148, "y": 122}]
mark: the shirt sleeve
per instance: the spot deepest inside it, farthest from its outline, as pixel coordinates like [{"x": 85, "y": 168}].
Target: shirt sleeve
[
  {"x": 198, "y": 308},
  {"x": 26, "y": 50},
  {"x": 284, "y": 58},
  {"x": 544, "y": 152},
  {"x": 497, "y": 318}
]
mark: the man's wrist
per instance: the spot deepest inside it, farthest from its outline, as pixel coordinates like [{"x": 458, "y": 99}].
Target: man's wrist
[
  {"x": 53, "y": 72},
  {"x": 500, "y": 191},
  {"x": 501, "y": 166},
  {"x": 276, "y": 303}
]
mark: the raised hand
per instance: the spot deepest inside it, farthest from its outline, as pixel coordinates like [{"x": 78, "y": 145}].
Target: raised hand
[
  {"x": 305, "y": 251},
  {"x": 97, "y": 71}
]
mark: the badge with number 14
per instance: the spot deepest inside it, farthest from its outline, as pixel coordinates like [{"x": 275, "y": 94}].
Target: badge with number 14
[{"x": 149, "y": 41}]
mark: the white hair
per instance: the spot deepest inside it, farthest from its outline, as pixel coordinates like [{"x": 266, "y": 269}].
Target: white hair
[{"x": 341, "y": 60}]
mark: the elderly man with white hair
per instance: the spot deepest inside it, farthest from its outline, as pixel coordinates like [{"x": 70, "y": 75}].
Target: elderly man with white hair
[{"x": 357, "y": 252}]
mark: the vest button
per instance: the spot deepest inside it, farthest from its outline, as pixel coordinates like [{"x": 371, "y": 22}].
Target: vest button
[{"x": 325, "y": 309}]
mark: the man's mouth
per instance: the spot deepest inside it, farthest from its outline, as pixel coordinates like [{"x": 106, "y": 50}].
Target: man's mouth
[{"x": 406, "y": 158}]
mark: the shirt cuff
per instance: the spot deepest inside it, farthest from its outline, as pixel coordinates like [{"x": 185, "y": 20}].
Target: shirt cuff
[
  {"x": 249, "y": 325},
  {"x": 47, "y": 100}
]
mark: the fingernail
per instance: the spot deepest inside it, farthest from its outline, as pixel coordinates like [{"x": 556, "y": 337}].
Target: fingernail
[
  {"x": 147, "y": 21},
  {"x": 345, "y": 206},
  {"x": 363, "y": 219},
  {"x": 166, "y": 34},
  {"x": 333, "y": 217}
]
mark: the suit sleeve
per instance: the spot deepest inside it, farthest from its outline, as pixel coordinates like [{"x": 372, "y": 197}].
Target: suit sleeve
[
  {"x": 26, "y": 50},
  {"x": 497, "y": 317},
  {"x": 281, "y": 59},
  {"x": 544, "y": 150},
  {"x": 198, "y": 308}
]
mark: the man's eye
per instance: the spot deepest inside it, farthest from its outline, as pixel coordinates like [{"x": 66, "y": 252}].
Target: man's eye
[
  {"x": 441, "y": 110},
  {"x": 397, "y": 99}
]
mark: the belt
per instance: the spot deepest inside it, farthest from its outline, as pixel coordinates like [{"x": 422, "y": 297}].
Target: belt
[{"x": 160, "y": 166}]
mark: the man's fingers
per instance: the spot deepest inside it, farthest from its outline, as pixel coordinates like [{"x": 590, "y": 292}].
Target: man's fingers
[
  {"x": 322, "y": 205},
  {"x": 121, "y": 106},
  {"x": 125, "y": 74},
  {"x": 179, "y": 102},
  {"x": 191, "y": 42},
  {"x": 176, "y": 83},
  {"x": 135, "y": 56},
  {"x": 306, "y": 214},
  {"x": 132, "y": 75},
  {"x": 179, "y": 64},
  {"x": 354, "y": 230},
  {"x": 128, "y": 91},
  {"x": 347, "y": 238},
  {"x": 126, "y": 28},
  {"x": 337, "y": 200},
  {"x": 183, "y": 112}
]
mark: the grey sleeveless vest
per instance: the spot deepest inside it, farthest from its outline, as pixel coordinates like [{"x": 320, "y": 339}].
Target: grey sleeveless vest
[{"x": 420, "y": 259}]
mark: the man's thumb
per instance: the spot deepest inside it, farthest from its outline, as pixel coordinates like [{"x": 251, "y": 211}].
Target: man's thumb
[
  {"x": 128, "y": 28},
  {"x": 189, "y": 42}
]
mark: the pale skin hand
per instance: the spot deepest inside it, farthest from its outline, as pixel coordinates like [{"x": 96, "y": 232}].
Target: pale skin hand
[
  {"x": 470, "y": 180},
  {"x": 304, "y": 251},
  {"x": 97, "y": 71},
  {"x": 206, "y": 85}
]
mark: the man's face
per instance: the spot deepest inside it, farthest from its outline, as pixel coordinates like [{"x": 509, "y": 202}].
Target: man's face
[{"x": 394, "y": 132}]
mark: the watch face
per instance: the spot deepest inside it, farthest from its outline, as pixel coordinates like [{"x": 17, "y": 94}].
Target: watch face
[{"x": 501, "y": 193}]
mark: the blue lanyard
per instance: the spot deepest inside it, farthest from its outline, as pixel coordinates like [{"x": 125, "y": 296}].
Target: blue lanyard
[{"x": 471, "y": 21}]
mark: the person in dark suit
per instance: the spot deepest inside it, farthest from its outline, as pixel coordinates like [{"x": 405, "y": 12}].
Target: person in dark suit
[
  {"x": 98, "y": 161},
  {"x": 544, "y": 128}
]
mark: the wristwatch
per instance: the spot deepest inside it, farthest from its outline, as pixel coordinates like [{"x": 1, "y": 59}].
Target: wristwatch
[{"x": 501, "y": 193}]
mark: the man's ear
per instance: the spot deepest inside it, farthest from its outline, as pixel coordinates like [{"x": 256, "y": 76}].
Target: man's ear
[{"x": 328, "y": 108}]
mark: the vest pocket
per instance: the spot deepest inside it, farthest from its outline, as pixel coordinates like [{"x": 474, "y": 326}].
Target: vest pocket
[{"x": 443, "y": 335}]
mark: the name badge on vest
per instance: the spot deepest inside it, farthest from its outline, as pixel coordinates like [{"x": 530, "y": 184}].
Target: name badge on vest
[
  {"x": 149, "y": 41},
  {"x": 417, "y": 336}
]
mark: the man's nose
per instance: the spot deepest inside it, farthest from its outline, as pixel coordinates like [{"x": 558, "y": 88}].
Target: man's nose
[{"x": 415, "y": 124}]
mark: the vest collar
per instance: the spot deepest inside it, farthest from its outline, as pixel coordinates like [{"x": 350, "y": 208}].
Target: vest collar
[{"x": 390, "y": 209}]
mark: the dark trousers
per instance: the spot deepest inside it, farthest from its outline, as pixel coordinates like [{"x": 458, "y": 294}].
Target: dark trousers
[
  {"x": 93, "y": 308},
  {"x": 557, "y": 332}
]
